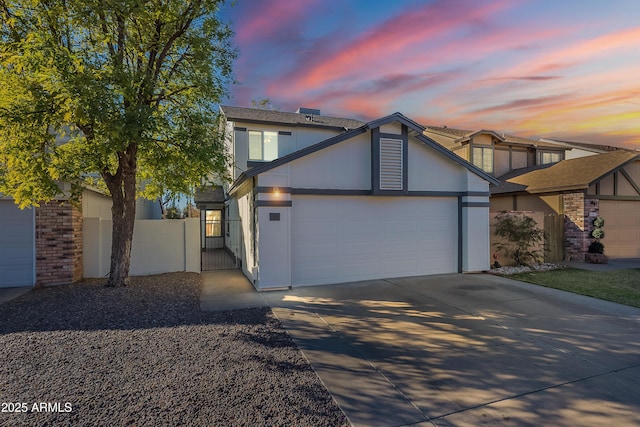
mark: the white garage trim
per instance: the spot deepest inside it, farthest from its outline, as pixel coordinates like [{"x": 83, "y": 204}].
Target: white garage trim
[
  {"x": 17, "y": 245},
  {"x": 343, "y": 192}
]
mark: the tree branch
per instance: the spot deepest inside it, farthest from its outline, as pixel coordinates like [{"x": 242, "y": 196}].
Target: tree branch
[
  {"x": 161, "y": 96},
  {"x": 105, "y": 32},
  {"x": 179, "y": 32}
]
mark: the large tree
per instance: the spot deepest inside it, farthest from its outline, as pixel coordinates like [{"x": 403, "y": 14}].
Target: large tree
[{"x": 119, "y": 91}]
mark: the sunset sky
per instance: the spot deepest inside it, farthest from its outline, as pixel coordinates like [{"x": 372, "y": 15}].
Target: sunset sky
[{"x": 554, "y": 68}]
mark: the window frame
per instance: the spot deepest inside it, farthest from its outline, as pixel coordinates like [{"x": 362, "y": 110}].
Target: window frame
[
  {"x": 211, "y": 226},
  {"x": 272, "y": 134},
  {"x": 541, "y": 155},
  {"x": 481, "y": 159}
]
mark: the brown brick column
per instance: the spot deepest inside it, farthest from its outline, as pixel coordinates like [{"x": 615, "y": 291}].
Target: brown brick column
[
  {"x": 58, "y": 244},
  {"x": 579, "y": 214}
]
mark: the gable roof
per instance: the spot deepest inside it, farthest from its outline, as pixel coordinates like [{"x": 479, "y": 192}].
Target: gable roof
[
  {"x": 573, "y": 174},
  {"x": 507, "y": 186},
  {"x": 470, "y": 135},
  {"x": 458, "y": 136},
  {"x": 396, "y": 117},
  {"x": 256, "y": 115}
]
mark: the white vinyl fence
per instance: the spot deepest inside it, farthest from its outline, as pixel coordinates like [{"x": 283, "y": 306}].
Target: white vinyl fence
[{"x": 159, "y": 246}]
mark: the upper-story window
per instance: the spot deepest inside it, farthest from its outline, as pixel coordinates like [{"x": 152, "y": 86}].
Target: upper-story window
[
  {"x": 483, "y": 158},
  {"x": 549, "y": 157},
  {"x": 263, "y": 145}
]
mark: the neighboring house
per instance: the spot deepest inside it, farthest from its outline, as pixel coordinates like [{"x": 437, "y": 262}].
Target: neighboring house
[
  {"x": 580, "y": 149},
  {"x": 606, "y": 185},
  {"x": 322, "y": 200},
  {"x": 576, "y": 180},
  {"x": 44, "y": 245},
  {"x": 496, "y": 153}
]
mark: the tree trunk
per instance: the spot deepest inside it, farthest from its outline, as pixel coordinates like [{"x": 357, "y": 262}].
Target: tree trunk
[{"x": 122, "y": 186}]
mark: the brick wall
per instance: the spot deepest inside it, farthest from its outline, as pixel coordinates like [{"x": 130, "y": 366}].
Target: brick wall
[
  {"x": 578, "y": 217},
  {"x": 58, "y": 244}
]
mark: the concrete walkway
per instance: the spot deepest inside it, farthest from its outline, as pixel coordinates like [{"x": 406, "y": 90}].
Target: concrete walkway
[
  {"x": 614, "y": 264},
  {"x": 228, "y": 290},
  {"x": 463, "y": 350}
]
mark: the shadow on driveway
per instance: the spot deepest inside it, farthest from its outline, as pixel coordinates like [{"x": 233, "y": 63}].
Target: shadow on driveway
[{"x": 468, "y": 350}]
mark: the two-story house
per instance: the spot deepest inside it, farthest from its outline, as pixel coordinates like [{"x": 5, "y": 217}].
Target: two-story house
[
  {"x": 320, "y": 200},
  {"x": 576, "y": 181}
]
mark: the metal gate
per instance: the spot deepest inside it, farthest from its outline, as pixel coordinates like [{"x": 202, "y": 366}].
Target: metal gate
[{"x": 220, "y": 244}]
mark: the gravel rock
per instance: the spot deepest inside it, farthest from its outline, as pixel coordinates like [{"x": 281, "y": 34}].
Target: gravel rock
[
  {"x": 509, "y": 270},
  {"x": 146, "y": 355}
]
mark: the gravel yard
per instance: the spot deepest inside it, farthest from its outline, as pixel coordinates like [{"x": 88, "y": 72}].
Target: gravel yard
[
  {"x": 517, "y": 269},
  {"x": 147, "y": 356}
]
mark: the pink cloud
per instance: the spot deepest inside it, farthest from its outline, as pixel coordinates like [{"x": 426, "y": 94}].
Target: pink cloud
[
  {"x": 375, "y": 98},
  {"x": 576, "y": 53},
  {"x": 270, "y": 17},
  {"x": 610, "y": 112},
  {"x": 522, "y": 103},
  {"x": 393, "y": 39}
]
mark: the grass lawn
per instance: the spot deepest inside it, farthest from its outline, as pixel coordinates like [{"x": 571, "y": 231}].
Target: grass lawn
[{"x": 622, "y": 286}]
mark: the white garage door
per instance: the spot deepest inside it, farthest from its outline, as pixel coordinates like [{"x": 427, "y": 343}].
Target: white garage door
[
  {"x": 621, "y": 228},
  {"x": 16, "y": 245},
  {"x": 343, "y": 239}
]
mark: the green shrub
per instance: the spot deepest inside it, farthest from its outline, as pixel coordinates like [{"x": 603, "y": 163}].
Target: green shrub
[
  {"x": 596, "y": 247},
  {"x": 521, "y": 236},
  {"x": 597, "y": 233},
  {"x": 598, "y": 222}
]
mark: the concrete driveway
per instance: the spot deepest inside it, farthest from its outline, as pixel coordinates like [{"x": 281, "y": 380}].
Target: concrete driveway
[{"x": 468, "y": 350}]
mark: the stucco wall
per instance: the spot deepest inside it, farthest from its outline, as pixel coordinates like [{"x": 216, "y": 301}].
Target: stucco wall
[
  {"x": 274, "y": 254},
  {"x": 98, "y": 205},
  {"x": 475, "y": 228},
  {"x": 519, "y": 159},
  {"x": 432, "y": 171},
  {"x": 95, "y": 205},
  {"x": 245, "y": 215},
  {"x": 346, "y": 165},
  {"x": 158, "y": 246},
  {"x": 483, "y": 139},
  {"x": 550, "y": 205},
  {"x": 501, "y": 203},
  {"x": 501, "y": 163},
  {"x": 300, "y": 137}
]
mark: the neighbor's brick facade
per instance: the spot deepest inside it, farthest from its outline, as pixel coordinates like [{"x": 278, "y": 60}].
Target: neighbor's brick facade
[
  {"x": 58, "y": 244},
  {"x": 578, "y": 224}
]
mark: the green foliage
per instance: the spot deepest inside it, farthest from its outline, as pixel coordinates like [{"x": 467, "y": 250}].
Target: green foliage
[
  {"x": 262, "y": 104},
  {"x": 596, "y": 247},
  {"x": 123, "y": 90},
  {"x": 520, "y": 236},
  {"x": 620, "y": 286},
  {"x": 173, "y": 212},
  {"x": 107, "y": 88},
  {"x": 597, "y": 233},
  {"x": 598, "y": 222}
]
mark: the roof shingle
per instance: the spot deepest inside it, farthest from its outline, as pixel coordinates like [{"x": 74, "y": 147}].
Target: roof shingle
[
  {"x": 295, "y": 119},
  {"x": 461, "y": 133},
  {"x": 573, "y": 174}
]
